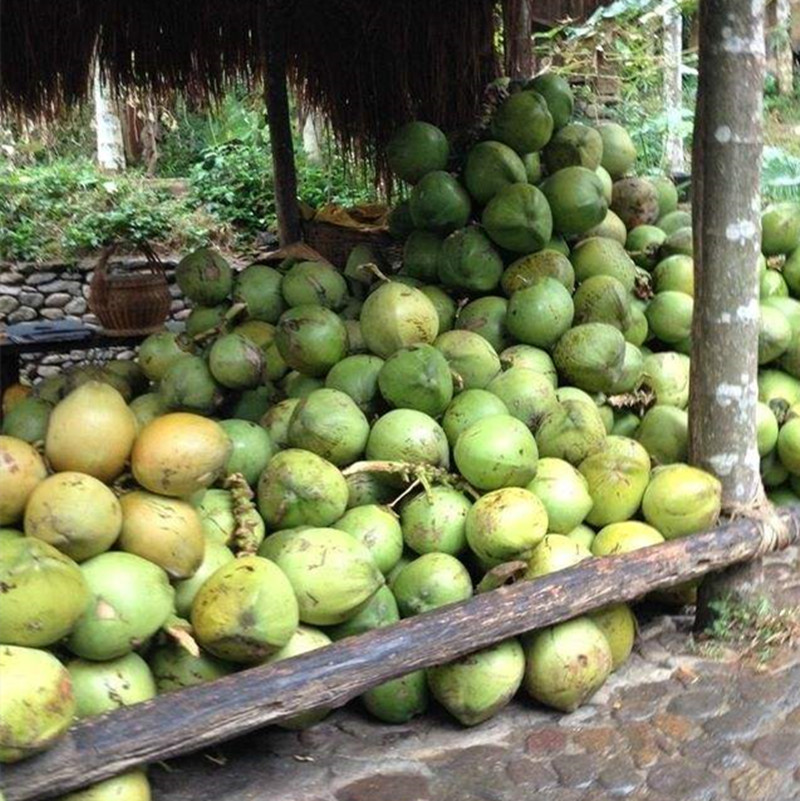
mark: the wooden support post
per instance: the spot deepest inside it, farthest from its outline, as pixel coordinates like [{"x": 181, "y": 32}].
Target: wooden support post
[
  {"x": 201, "y": 716},
  {"x": 517, "y": 41},
  {"x": 273, "y": 49},
  {"x": 726, "y": 210}
]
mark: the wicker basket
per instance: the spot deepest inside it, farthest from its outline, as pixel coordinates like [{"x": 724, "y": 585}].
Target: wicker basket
[
  {"x": 334, "y": 242},
  {"x": 136, "y": 301}
]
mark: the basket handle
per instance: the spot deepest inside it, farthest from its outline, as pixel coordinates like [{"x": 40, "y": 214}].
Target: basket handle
[{"x": 99, "y": 286}]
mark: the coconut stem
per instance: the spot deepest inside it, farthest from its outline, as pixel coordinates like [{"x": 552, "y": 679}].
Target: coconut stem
[
  {"x": 244, "y": 539},
  {"x": 424, "y": 474}
]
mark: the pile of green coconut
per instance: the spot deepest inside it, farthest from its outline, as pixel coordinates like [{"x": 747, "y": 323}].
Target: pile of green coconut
[{"x": 323, "y": 452}]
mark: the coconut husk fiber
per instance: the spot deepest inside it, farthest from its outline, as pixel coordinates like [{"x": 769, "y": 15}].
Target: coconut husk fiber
[{"x": 368, "y": 67}]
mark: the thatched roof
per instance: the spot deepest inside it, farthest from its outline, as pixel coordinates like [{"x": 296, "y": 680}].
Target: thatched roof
[{"x": 367, "y": 66}]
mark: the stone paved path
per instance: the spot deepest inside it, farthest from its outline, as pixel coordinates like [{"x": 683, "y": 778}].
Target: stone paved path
[{"x": 670, "y": 726}]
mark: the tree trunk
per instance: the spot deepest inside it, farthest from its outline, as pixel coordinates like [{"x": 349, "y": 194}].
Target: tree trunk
[
  {"x": 110, "y": 150},
  {"x": 783, "y": 47},
  {"x": 673, "y": 89},
  {"x": 727, "y": 228},
  {"x": 273, "y": 48},
  {"x": 517, "y": 38}
]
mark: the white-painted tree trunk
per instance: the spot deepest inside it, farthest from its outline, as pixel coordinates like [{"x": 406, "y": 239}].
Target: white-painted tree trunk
[
  {"x": 312, "y": 138},
  {"x": 783, "y": 46},
  {"x": 674, "y": 151},
  {"x": 726, "y": 205},
  {"x": 110, "y": 149}
]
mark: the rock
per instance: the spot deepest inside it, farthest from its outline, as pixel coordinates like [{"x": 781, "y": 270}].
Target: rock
[
  {"x": 45, "y": 371},
  {"x": 53, "y": 314},
  {"x": 21, "y": 315},
  {"x": 8, "y": 304},
  {"x": 57, "y": 300},
  {"x": 61, "y": 285},
  {"x": 40, "y": 278},
  {"x": 11, "y": 278},
  {"x": 75, "y": 306},
  {"x": 8, "y": 289}
]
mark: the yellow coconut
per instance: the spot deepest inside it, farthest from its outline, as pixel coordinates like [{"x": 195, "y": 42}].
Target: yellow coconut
[
  {"x": 180, "y": 453},
  {"x": 91, "y": 431},
  {"x": 21, "y": 469}
]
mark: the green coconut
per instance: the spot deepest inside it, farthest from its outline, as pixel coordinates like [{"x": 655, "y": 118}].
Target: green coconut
[
  {"x": 435, "y": 521},
  {"x": 297, "y": 385},
  {"x": 378, "y": 612},
  {"x": 439, "y": 203},
  {"x": 773, "y": 285},
  {"x": 583, "y": 535},
  {"x": 766, "y": 429},
  {"x": 300, "y": 488},
  {"x": 430, "y": 581},
  {"x": 528, "y": 395},
  {"x": 774, "y": 334},
  {"x": 526, "y": 271},
  {"x": 619, "y": 152},
  {"x": 624, "y": 537},
  {"x": 674, "y": 220},
  {"x": 669, "y": 316},
  {"x": 610, "y": 228},
  {"x": 471, "y": 359},
  {"x": 357, "y": 377},
  {"x": 496, "y": 452},
  {"x": 131, "y": 599},
  {"x": 173, "y": 667},
  {"x": 486, "y": 316},
  {"x": 533, "y": 168},
  {"x": 222, "y": 523},
  {"x": 570, "y": 431},
  {"x": 258, "y": 287},
  {"x": 664, "y": 433},
  {"x": 682, "y": 500},
  {"x": 44, "y": 595},
  {"x": 558, "y": 95},
  {"x": 635, "y": 202},
  {"x": 591, "y": 356},
  {"x": 343, "y": 579},
  {"x": 146, "y": 408},
  {"x": 598, "y": 256},
  {"x": 74, "y": 512},
  {"x": 417, "y": 378},
  {"x": 567, "y": 663},
  {"x": 506, "y": 524},
  {"x": 643, "y": 243},
  {"x": 577, "y": 200},
  {"x": 791, "y": 272},
  {"x": 398, "y": 700},
  {"x": 417, "y": 149},
  {"x": 406, "y": 435},
  {"x": 773, "y": 473},
  {"x": 778, "y": 386},
  {"x": 158, "y": 352},
  {"x": 574, "y": 145},
  {"x": 276, "y": 421},
  {"x": 445, "y": 306},
  {"x": 37, "y": 704},
  {"x": 378, "y": 529},
  {"x": 304, "y": 640},
  {"x": 205, "y": 277},
  {"x": 780, "y": 229},
  {"x": 236, "y": 362},
  {"x": 675, "y": 273},
  {"x": 130, "y": 786},
  {"x": 188, "y": 385},
  {"x": 468, "y": 261},
  {"x": 518, "y": 219},
  {"x": 476, "y": 687},
  {"x": 679, "y": 242},
  {"x": 28, "y": 420},
  {"x": 564, "y": 492},
  {"x": 311, "y": 339},
  {"x": 618, "y": 624},
  {"x": 467, "y": 408},
  {"x": 252, "y": 448},
  {"x": 421, "y": 255},
  {"x": 523, "y": 122},
  {"x": 603, "y": 299},
  {"x": 102, "y": 686},
  {"x": 555, "y": 552},
  {"x": 540, "y": 314},
  {"x": 532, "y": 359},
  {"x": 490, "y": 167},
  {"x": 789, "y": 445},
  {"x": 667, "y": 374},
  {"x": 396, "y": 316},
  {"x": 314, "y": 283},
  {"x": 215, "y": 555},
  {"x": 616, "y": 475},
  {"x": 205, "y": 319},
  {"x": 667, "y": 194},
  {"x": 245, "y": 611},
  {"x": 329, "y": 423}
]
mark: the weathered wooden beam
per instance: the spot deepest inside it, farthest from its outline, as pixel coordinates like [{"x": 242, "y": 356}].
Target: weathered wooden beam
[
  {"x": 284, "y": 175},
  {"x": 201, "y": 716}
]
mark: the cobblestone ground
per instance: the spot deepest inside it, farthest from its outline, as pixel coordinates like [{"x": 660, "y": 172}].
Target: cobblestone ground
[{"x": 670, "y": 726}]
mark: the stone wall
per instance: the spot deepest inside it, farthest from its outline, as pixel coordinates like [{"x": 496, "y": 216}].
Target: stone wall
[{"x": 33, "y": 292}]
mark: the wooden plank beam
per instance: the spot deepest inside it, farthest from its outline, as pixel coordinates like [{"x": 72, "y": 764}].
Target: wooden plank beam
[
  {"x": 284, "y": 176},
  {"x": 201, "y": 716}
]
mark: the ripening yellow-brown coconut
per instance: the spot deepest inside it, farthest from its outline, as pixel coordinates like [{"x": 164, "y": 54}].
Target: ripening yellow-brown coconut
[
  {"x": 91, "y": 431},
  {"x": 180, "y": 453},
  {"x": 21, "y": 469}
]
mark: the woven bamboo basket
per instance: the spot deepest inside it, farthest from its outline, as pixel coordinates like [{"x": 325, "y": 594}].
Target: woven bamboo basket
[
  {"x": 335, "y": 242},
  {"x": 131, "y": 301}
]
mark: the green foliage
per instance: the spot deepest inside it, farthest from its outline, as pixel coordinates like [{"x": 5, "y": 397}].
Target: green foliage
[{"x": 780, "y": 175}]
